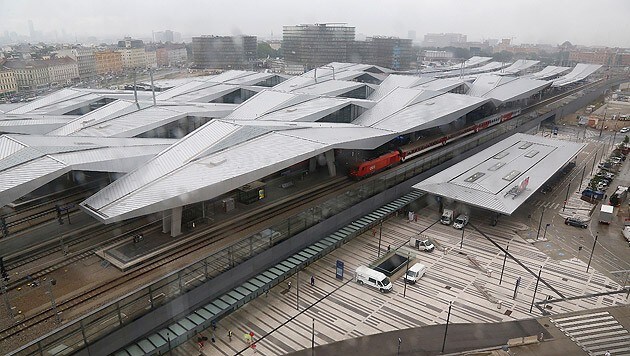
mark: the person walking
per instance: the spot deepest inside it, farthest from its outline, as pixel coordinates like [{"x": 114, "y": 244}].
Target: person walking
[
  {"x": 200, "y": 342},
  {"x": 607, "y": 353},
  {"x": 230, "y": 334},
  {"x": 312, "y": 281},
  {"x": 289, "y": 285}
]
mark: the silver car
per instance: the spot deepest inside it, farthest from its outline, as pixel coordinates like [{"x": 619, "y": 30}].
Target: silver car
[{"x": 461, "y": 221}]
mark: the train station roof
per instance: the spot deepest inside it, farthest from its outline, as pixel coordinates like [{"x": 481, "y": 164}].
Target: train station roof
[
  {"x": 548, "y": 72},
  {"x": 230, "y": 145},
  {"x": 28, "y": 162},
  {"x": 502, "y": 89},
  {"x": 502, "y": 177},
  {"x": 518, "y": 66},
  {"x": 580, "y": 72}
]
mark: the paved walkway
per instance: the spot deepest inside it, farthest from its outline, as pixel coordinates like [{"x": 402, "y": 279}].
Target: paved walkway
[{"x": 468, "y": 277}]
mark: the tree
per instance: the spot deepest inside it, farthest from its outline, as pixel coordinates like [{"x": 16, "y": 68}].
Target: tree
[
  {"x": 626, "y": 139},
  {"x": 264, "y": 50}
]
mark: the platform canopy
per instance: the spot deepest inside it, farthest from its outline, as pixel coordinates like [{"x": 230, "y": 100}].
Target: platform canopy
[
  {"x": 28, "y": 162},
  {"x": 518, "y": 66},
  {"x": 503, "y": 89},
  {"x": 502, "y": 177},
  {"x": 580, "y": 72},
  {"x": 549, "y": 72}
]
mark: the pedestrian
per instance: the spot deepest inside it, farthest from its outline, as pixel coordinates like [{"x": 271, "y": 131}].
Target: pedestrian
[
  {"x": 312, "y": 281},
  {"x": 289, "y": 285},
  {"x": 230, "y": 334},
  {"x": 200, "y": 342},
  {"x": 389, "y": 247},
  {"x": 415, "y": 217},
  {"x": 213, "y": 338},
  {"x": 214, "y": 325},
  {"x": 607, "y": 353},
  {"x": 267, "y": 293}
]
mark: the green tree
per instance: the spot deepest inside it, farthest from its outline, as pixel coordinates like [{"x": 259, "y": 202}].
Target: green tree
[
  {"x": 264, "y": 50},
  {"x": 626, "y": 139}
]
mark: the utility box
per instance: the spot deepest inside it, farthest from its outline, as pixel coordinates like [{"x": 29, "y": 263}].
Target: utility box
[
  {"x": 252, "y": 192},
  {"x": 228, "y": 205}
]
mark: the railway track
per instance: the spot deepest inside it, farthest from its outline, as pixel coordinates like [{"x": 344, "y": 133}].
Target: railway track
[{"x": 216, "y": 233}]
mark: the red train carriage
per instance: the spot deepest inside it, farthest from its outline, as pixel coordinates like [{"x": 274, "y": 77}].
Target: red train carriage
[{"x": 375, "y": 165}]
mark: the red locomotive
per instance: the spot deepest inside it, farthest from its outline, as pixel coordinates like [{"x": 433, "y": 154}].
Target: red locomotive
[{"x": 413, "y": 149}]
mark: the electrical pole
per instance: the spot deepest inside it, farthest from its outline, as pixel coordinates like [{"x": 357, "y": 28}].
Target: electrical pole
[
  {"x": 447, "y": 320},
  {"x": 504, "y": 258},
  {"x": 593, "y": 250},
  {"x": 535, "y": 290},
  {"x": 540, "y": 223}
]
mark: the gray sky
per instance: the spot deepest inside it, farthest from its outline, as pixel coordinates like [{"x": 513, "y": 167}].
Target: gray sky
[{"x": 585, "y": 22}]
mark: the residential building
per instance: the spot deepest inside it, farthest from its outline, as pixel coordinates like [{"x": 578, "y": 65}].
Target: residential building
[
  {"x": 62, "y": 71},
  {"x": 313, "y": 45},
  {"x": 224, "y": 52},
  {"x": 31, "y": 75},
  {"x": 108, "y": 62},
  {"x": 171, "y": 54},
  {"x": 604, "y": 56},
  {"x": 443, "y": 39},
  {"x": 8, "y": 84},
  {"x": 132, "y": 53},
  {"x": 85, "y": 60},
  {"x": 151, "y": 59}
]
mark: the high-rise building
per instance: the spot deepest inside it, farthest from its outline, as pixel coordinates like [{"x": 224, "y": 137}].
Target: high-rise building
[
  {"x": 224, "y": 52},
  {"x": 392, "y": 52},
  {"x": 314, "y": 45},
  {"x": 443, "y": 39}
]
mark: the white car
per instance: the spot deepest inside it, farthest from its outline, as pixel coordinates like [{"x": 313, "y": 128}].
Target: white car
[
  {"x": 461, "y": 221},
  {"x": 624, "y": 130},
  {"x": 626, "y": 233}
]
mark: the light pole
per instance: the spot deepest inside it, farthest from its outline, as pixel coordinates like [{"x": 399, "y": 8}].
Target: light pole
[
  {"x": 448, "y": 318},
  {"x": 593, "y": 250},
  {"x": 545, "y": 234},
  {"x": 540, "y": 223},
  {"x": 405, "y": 278},
  {"x": 535, "y": 290},
  {"x": 380, "y": 235},
  {"x": 504, "y": 258},
  {"x": 313, "y": 339},
  {"x": 52, "y": 299},
  {"x": 461, "y": 243}
]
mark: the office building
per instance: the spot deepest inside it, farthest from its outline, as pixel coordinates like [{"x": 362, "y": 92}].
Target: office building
[
  {"x": 314, "y": 45},
  {"x": 224, "y": 52},
  {"x": 443, "y": 39}
]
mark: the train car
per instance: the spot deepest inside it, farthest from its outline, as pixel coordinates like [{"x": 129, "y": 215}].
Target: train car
[
  {"x": 375, "y": 165},
  {"x": 425, "y": 145}
]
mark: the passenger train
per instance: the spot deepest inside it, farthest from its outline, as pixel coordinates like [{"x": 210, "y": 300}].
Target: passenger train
[{"x": 403, "y": 153}]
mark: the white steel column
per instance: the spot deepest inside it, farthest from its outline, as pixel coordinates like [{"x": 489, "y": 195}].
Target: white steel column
[
  {"x": 176, "y": 221},
  {"x": 330, "y": 161},
  {"x": 166, "y": 221}
]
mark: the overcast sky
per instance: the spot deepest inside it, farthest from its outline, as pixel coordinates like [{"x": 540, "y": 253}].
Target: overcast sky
[{"x": 585, "y": 22}]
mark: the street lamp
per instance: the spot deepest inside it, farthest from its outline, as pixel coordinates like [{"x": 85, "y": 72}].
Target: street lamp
[{"x": 545, "y": 234}]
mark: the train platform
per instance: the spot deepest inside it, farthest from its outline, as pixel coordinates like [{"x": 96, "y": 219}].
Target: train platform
[
  {"x": 470, "y": 277},
  {"x": 131, "y": 251}
]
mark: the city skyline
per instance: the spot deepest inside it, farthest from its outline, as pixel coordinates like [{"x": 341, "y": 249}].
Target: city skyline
[{"x": 524, "y": 22}]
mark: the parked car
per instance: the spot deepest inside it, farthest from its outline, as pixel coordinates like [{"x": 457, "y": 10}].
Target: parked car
[
  {"x": 576, "y": 222},
  {"x": 626, "y": 233},
  {"x": 624, "y": 130},
  {"x": 461, "y": 221}
]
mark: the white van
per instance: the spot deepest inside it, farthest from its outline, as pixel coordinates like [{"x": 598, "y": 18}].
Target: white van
[
  {"x": 373, "y": 278},
  {"x": 447, "y": 216},
  {"x": 415, "y": 272}
]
